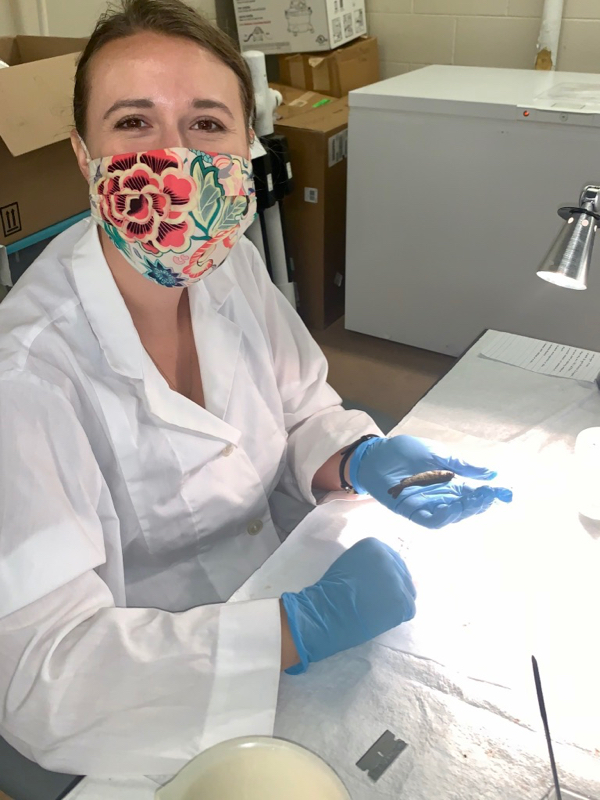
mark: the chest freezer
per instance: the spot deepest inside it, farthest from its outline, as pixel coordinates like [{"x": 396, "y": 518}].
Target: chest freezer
[{"x": 455, "y": 175}]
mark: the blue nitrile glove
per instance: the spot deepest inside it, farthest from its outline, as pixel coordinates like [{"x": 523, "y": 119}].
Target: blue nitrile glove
[
  {"x": 377, "y": 465},
  {"x": 367, "y": 591}
]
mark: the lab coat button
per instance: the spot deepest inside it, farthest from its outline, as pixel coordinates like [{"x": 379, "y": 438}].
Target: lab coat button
[
  {"x": 228, "y": 450},
  {"x": 255, "y": 527}
]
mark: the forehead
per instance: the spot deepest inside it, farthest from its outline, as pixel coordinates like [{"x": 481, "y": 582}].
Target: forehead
[{"x": 160, "y": 67}]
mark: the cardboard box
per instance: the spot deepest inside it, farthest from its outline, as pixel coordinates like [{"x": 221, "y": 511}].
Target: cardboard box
[
  {"x": 298, "y": 26},
  {"x": 315, "y": 212},
  {"x": 296, "y": 101},
  {"x": 335, "y": 73},
  {"x": 40, "y": 182}
]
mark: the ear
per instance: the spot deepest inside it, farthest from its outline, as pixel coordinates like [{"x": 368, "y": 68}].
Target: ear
[
  {"x": 251, "y": 140},
  {"x": 80, "y": 154}
]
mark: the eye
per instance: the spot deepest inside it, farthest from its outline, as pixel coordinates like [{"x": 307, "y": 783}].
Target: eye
[
  {"x": 208, "y": 125},
  {"x": 130, "y": 123}
]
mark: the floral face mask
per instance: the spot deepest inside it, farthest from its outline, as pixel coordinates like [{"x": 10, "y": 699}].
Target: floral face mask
[{"x": 174, "y": 214}]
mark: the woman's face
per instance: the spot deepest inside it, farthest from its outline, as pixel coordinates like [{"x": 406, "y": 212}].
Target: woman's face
[{"x": 149, "y": 91}]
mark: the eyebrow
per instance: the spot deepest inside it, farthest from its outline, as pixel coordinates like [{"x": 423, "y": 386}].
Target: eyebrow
[
  {"x": 144, "y": 102},
  {"x": 211, "y": 104}
]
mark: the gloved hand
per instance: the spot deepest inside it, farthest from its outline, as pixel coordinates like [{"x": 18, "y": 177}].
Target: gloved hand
[
  {"x": 366, "y": 592},
  {"x": 378, "y": 464}
]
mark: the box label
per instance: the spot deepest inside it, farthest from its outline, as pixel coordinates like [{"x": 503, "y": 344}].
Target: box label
[
  {"x": 311, "y": 195},
  {"x": 11, "y": 219},
  {"x": 360, "y": 25},
  {"x": 337, "y": 147},
  {"x": 337, "y": 36},
  {"x": 348, "y": 26},
  {"x": 298, "y": 26},
  {"x": 347, "y": 20}
]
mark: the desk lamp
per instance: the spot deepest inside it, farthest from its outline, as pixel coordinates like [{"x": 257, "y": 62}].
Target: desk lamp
[
  {"x": 567, "y": 263},
  {"x": 568, "y": 260}
]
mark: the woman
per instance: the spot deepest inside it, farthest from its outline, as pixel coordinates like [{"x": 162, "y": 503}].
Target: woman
[{"x": 156, "y": 411}]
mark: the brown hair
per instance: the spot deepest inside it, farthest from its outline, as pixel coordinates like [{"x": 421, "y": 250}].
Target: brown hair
[{"x": 167, "y": 17}]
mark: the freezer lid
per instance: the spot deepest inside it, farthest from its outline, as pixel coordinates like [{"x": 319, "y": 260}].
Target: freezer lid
[{"x": 484, "y": 91}]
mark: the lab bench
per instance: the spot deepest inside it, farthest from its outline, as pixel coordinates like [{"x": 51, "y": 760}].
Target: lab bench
[{"x": 455, "y": 683}]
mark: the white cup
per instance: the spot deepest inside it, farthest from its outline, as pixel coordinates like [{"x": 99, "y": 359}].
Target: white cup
[
  {"x": 255, "y": 768},
  {"x": 587, "y": 472}
]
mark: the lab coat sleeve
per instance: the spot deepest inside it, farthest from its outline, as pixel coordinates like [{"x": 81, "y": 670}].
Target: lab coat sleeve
[
  {"x": 317, "y": 424},
  {"x": 85, "y": 686}
]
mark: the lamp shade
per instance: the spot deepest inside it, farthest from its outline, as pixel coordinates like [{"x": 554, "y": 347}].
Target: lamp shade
[{"x": 568, "y": 260}]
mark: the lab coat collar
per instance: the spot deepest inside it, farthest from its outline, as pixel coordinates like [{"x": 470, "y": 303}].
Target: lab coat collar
[
  {"x": 104, "y": 306},
  {"x": 217, "y": 342},
  {"x": 177, "y": 410},
  {"x": 214, "y": 289},
  {"x": 218, "y": 339}
]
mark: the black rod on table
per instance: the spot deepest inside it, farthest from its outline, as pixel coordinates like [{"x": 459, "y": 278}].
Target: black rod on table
[{"x": 542, "y": 705}]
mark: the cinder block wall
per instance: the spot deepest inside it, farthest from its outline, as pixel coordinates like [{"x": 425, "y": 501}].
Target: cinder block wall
[
  {"x": 411, "y": 33},
  {"x": 483, "y": 33},
  {"x": 69, "y": 17}
]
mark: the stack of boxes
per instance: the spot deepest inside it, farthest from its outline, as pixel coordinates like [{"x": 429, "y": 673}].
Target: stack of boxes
[
  {"x": 40, "y": 182},
  {"x": 323, "y": 53}
]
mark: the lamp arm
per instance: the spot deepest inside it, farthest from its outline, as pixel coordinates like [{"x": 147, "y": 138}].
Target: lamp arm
[
  {"x": 590, "y": 198},
  {"x": 589, "y": 203}
]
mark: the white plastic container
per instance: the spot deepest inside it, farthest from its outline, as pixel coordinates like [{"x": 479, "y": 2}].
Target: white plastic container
[
  {"x": 255, "y": 768},
  {"x": 587, "y": 472}
]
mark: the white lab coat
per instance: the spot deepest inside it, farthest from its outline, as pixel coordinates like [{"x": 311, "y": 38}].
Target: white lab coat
[{"x": 123, "y": 503}]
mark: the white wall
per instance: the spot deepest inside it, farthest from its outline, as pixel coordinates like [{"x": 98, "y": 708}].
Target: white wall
[
  {"x": 482, "y": 33},
  {"x": 71, "y": 17},
  {"x": 7, "y": 21}
]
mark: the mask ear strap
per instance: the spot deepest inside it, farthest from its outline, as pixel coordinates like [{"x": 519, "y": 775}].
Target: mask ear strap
[{"x": 84, "y": 145}]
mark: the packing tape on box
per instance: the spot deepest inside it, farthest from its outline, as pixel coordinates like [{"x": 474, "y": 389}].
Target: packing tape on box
[{"x": 302, "y": 100}]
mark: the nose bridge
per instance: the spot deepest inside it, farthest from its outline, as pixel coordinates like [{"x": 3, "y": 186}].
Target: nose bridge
[
  {"x": 185, "y": 135},
  {"x": 176, "y": 133},
  {"x": 173, "y": 132},
  {"x": 169, "y": 123}
]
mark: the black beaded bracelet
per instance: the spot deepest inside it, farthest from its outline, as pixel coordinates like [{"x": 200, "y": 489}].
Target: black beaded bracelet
[{"x": 346, "y": 453}]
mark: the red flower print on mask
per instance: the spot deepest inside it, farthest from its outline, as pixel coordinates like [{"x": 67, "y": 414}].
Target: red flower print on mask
[{"x": 147, "y": 196}]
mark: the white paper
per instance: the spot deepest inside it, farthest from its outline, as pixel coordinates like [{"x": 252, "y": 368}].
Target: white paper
[
  {"x": 545, "y": 358},
  {"x": 585, "y": 94}
]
